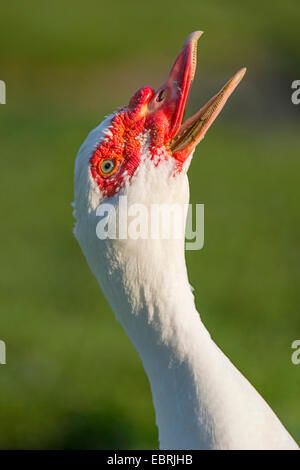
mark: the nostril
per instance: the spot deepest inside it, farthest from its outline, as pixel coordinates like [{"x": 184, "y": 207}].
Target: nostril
[{"x": 161, "y": 96}]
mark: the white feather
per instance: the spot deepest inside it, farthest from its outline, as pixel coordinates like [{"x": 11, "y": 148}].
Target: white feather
[{"x": 201, "y": 400}]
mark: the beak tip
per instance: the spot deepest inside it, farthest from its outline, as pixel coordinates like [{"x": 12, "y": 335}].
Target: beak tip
[
  {"x": 193, "y": 37},
  {"x": 243, "y": 71},
  {"x": 239, "y": 75}
]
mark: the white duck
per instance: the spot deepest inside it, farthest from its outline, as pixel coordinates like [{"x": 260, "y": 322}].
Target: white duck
[{"x": 143, "y": 152}]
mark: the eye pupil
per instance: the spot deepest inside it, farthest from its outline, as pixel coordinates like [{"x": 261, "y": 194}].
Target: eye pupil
[{"x": 108, "y": 166}]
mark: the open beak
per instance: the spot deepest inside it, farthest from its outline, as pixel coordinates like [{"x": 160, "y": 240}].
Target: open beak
[{"x": 171, "y": 98}]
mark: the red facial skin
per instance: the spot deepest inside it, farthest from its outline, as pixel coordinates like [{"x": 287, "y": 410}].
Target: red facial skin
[
  {"x": 124, "y": 146},
  {"x": 160, "y": 113}
]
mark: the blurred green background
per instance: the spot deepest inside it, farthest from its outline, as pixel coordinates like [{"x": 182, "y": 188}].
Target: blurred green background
[{"x": 72, "y": 378}]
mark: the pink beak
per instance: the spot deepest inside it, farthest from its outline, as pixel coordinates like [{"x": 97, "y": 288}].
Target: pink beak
[{"x": 170, "y": 99}]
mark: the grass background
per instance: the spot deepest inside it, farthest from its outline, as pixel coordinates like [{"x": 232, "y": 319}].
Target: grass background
[{"x": 72, "y": 378}]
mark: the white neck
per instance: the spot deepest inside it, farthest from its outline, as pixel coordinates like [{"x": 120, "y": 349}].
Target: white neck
[
  {"x": 167, "y": 332},
  {"x": 201, "y": 400}
]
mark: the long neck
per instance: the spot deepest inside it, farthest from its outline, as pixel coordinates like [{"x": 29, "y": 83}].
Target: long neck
[
  {"x": 171, "y": 346},
  {"x": 158, "y": 313},
  {"x": 201, "y": 400}
]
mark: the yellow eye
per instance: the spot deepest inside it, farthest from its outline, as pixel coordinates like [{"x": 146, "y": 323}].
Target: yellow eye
[{"x": 108, "y": 167}]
